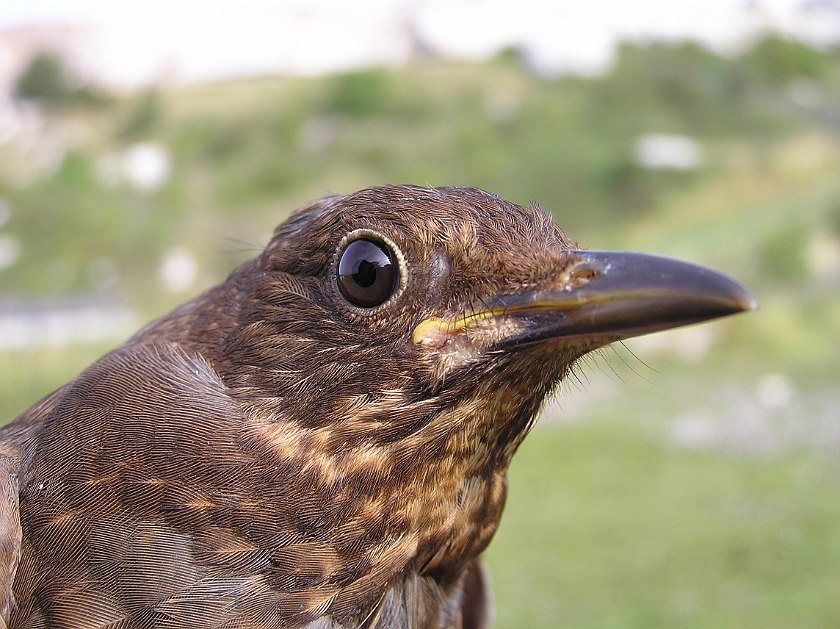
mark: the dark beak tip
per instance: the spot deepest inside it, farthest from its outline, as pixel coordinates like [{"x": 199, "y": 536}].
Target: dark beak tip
[{"x": 734, "y": 296}]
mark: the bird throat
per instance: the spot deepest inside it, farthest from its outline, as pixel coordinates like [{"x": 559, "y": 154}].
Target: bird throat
[{"x": 408, "y": 484}]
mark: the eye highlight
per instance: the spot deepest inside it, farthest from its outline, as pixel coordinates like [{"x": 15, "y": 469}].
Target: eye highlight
[{"x": 368, "y": 271}]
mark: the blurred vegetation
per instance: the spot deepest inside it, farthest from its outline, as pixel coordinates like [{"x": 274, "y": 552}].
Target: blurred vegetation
[
  {"x": 644, "y": 535},
  {"x": 144, "y": 113},
  {"x": 610, "y": 523},
  {"x": 47, "y": 81},
  {"x": 44, "y": 80},
  {"x": 360, "y": 94}
]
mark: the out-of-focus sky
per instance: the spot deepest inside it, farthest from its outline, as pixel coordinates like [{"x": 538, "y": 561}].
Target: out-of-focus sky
[{"x": 131, "y": 43}]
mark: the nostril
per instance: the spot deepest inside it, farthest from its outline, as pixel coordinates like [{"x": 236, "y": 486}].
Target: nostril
[{"x": 581, "y": 276}]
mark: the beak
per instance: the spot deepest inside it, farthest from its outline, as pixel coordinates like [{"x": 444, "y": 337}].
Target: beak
[{"x": 608, "y": 296}]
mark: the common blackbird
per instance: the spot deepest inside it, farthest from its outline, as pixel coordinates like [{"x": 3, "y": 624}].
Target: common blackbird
[{"x": 320, "y": 441}]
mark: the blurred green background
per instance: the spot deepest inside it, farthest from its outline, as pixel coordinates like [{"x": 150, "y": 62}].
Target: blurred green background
[{"x": 689, "y": 479}]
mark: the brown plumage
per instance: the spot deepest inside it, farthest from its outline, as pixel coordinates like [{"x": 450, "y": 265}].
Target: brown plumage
[{"x": 321, "y": 441}]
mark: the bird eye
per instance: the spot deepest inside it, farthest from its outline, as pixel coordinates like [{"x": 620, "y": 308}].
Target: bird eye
[{"x": 367, "y": 273}]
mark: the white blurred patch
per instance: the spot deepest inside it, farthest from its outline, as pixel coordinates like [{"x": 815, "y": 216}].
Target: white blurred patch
[
  {"x": 146, "y": 166},
  {"x": 8, "y": 123},
  {"x": 691, "y": 344},
  {"x": 768, "y": 417},
  {"x": 48, "y": 153},
  {"x": 21, "y": 123},
  {"x": 823, "y": 256},
  {"x": 694, "y": 430},
  {"x": 37, "y": 147},
  {"x": 806, "y": 93},
  {"x": 178, "y": 269},
  {"x": 55, "y": 322},
  {"x": 775, "y": 391},
  {"x": 103, "y": 273},
  {"x": 5, "y": 212},
  {"x": 316, "y": 135},
  {"x": 501, "y": 106},
  {"x": 658, "y": 150},
  {"x": 9, "y": 250},
  {"x": 750, "y": 430}
]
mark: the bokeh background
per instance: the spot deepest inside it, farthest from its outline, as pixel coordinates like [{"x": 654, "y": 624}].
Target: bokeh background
[{"x": 687, "y": 479}]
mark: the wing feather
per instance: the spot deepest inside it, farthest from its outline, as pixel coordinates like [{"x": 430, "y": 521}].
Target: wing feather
[{"x": 10, "y": 533}]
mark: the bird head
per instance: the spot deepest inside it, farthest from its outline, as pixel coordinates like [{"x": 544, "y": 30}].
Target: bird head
[{"x": 395, "y": 345}]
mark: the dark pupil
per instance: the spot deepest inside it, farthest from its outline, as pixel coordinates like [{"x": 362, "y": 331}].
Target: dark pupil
[{"x": 366, "y": 273}]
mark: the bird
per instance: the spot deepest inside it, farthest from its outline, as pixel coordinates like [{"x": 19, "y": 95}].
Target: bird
[{"x": 321, "y": 441}]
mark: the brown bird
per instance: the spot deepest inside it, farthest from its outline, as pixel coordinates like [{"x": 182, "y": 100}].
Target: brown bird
[{"x": 322, "y": 440}]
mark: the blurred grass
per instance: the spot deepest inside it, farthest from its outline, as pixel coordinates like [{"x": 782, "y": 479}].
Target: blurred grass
[
  {"x": 606, "y": 527},
  {"x": 611, "y": 522}
]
